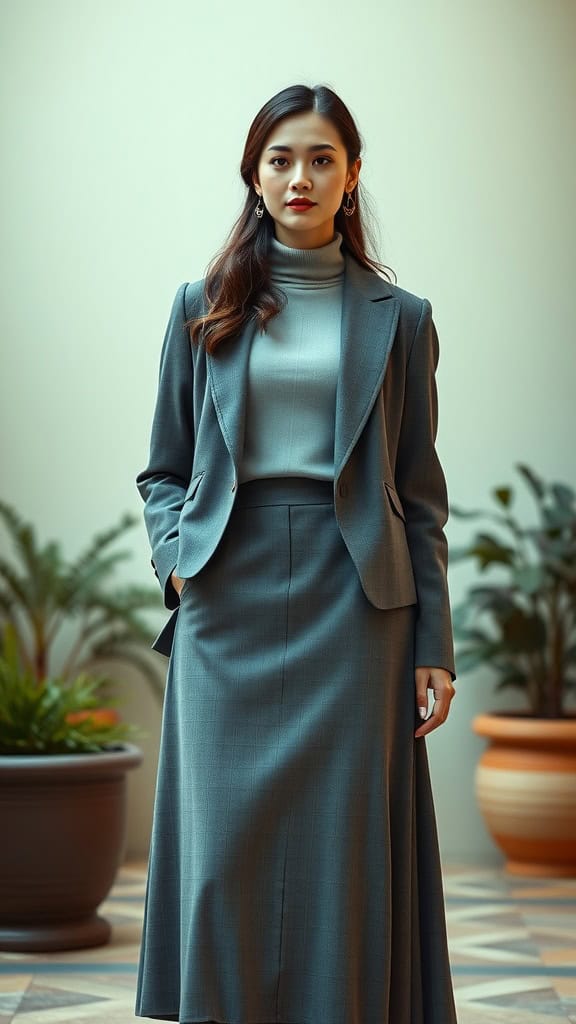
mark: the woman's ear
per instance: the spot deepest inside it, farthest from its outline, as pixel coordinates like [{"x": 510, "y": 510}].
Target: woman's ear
[{"x": 353, "y": 175}]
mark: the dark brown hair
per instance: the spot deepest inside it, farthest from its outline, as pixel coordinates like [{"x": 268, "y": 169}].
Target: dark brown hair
[{"x": 237, "y": 285}]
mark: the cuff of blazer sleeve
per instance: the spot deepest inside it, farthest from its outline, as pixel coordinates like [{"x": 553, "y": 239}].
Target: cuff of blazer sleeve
[
  {"x": 171, "y": 595},
  {"x": 163, "y": 575},
  {"x": 435, "y": 655},
  {"x": 436, "y": 664}
]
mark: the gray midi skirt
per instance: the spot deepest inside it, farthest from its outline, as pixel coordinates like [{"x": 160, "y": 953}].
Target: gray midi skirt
[{"x": 294, "y": 873}]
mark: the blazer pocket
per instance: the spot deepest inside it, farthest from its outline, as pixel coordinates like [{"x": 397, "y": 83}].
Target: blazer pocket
[
  {"x": 395, "y": 500},
  {"x": 193, "y": 486}
]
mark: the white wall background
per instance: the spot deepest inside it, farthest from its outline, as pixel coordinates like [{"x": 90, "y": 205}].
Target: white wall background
[{"x": 123, "y": 125}]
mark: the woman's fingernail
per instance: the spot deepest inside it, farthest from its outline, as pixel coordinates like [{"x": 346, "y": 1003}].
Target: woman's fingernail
[{"x": 422, "y": 712}]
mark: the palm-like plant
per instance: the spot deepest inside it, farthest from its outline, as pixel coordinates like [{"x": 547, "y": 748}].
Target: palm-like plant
[
  {"x": 42, "y": 592},
  {"x": 524, "y": 627}
]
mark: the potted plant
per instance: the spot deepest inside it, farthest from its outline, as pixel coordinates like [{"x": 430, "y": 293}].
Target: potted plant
[
  {"x": 64, "y": 749},
  {"x": 522, "y": 624}
]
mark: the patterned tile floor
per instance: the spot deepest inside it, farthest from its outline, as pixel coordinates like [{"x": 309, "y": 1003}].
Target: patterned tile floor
[{"x": 512, "y": 948}]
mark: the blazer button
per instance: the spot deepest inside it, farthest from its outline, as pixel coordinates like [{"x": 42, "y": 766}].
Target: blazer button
[
  {"x": 234, "y": 485},
  {"x": 343, "y": 489}
]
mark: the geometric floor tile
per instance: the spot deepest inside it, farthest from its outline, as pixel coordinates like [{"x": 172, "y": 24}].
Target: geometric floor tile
[
  {"x": 512, "y": 953},
  {"x": 512, "y": 947}
]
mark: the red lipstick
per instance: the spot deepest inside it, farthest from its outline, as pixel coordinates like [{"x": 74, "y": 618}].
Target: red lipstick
[{"x": 300, "y": 203}]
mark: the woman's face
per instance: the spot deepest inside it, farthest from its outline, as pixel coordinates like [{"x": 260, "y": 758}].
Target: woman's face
[{"x": 303, "y": 156}]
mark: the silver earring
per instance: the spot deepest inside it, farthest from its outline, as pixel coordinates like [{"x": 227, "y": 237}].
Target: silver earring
[
  {"x": 259, "y": 210},
  {"x": 349, "y": 206}
]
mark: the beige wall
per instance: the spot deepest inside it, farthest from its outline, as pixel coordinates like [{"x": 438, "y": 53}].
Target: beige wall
[{"x": 123, "y": 125}]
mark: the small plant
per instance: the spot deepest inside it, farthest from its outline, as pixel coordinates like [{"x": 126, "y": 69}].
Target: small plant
[
  {"x": 44, "y": 598},
  {"x": 54, "y": 716},
  {"x": 524, "y": 627}
]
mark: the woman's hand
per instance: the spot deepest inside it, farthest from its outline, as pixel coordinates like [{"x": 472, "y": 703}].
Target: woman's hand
[
  {"x": 177, "y": 583},
  {"x": 439, "y": 681}
]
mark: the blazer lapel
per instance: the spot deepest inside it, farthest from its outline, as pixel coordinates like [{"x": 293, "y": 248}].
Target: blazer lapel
[
  {"x": 228, "y": 375},
  {"x": 369, "y": 318}
]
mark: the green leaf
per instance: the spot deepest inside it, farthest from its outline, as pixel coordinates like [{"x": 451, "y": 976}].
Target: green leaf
[
  {"x": 499, "y": 601},
  {"x": 564, "y": 495},
  {"x": 490, "y": 551},
  {"x": 503, "y": 495},
  {"x": 10, "y": 646},
  {"x": 534, "y": 482},
  {"x": 458, "y": 554},
  {"x": 460, "y": 513},
  {"x": 557, "y": 547}
]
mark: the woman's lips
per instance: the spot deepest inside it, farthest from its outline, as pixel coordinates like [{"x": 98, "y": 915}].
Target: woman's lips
[{"x": 300, "y": 206}]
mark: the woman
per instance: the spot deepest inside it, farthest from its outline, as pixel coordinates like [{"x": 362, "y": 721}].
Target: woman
[{"x": 295, "y": 506}]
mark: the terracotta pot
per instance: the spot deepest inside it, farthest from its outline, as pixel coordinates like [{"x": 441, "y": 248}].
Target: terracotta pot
[
  {"x": 63, "y": 828},
  {"x": 526, "y": 789}
]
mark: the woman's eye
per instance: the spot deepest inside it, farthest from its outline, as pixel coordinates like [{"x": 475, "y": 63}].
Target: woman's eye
[{"x": 275, "y": 158}]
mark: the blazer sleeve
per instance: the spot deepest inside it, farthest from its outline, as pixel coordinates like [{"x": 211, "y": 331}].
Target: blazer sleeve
[
  {"x": 421, "y": 485},
  {"x": 163, "y": 482}
]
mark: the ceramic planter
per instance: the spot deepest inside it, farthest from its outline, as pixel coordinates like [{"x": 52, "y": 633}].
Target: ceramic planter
[
  {"x": 63, "y": 828},
  {"x": 526, "y": 790}
]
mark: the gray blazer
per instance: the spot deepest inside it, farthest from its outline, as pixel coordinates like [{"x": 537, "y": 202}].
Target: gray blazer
[{"x": 390, "y": 492}]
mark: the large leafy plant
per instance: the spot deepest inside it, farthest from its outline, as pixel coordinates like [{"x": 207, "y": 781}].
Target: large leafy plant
[
  {"x": 71, "y": 610},
  {"x": 523, "y": 623}
]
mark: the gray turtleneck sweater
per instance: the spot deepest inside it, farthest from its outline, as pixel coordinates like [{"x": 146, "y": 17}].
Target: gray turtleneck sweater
[{"x": 293, "y": 368}]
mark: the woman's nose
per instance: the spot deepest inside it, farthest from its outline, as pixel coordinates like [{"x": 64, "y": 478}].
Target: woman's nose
[{"x": 299, "y": 179}]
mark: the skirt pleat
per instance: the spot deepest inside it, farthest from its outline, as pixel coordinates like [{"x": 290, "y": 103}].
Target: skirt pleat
[{"x": 294, "y": 873}]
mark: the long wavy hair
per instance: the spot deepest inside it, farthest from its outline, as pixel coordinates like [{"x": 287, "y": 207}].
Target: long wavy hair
[{"x": 237, "y": 284}]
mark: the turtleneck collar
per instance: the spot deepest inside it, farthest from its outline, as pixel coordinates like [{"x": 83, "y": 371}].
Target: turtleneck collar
[{"x": 319, "y": 267}]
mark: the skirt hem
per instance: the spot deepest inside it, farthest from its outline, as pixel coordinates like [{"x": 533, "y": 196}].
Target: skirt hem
[{"x": 213, "y": 1020}]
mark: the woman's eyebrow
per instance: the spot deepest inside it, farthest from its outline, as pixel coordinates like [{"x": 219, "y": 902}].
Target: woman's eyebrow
[{"x": 288, "y": 149}]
